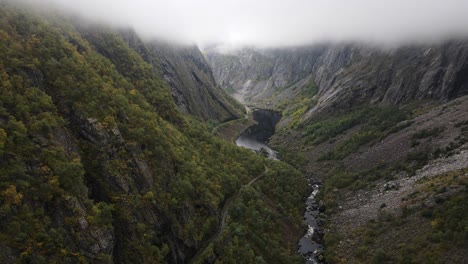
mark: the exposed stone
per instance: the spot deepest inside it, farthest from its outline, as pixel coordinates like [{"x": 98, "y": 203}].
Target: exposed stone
[
  {"x": 185, "y": 70},
  {"x": 346, "y": 74},
  {"x": 83, "y": 223}
]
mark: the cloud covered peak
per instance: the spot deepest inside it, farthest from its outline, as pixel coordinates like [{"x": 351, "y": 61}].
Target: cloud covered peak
[{"x": 273, "y": 23}]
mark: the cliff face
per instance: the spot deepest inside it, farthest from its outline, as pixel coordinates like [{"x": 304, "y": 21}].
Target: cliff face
[
  {"x": 347, "y": 74},
  {"x": 358, "y": 75},
  {"x": 189, "y": 75},
  {"x": 183, "y": 68},
  {"x": 253, "y": 75},
  {"x": 186, "y": 70}
]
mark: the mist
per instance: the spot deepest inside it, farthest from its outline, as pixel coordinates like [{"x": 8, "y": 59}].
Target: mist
[{"x": 275, "y": 23}]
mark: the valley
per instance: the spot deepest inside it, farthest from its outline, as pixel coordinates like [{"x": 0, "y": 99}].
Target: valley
[
  {"x": 372, "y": 142},
  {"x": 256, "y": 138},
  {"x": 117, "y": 146}
]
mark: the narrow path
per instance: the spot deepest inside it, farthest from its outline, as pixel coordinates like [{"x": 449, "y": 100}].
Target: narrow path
[
  {"x": 246, "y": 117},
  {"x": 222, "y": 222}
]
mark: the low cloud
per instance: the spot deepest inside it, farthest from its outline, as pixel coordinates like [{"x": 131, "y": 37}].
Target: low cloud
[{"x": 273, "y": 23}]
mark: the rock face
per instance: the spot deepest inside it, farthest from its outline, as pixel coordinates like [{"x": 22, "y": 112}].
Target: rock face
[
  {"x": 265, "y": 128},
  {"x": 254, "y": 74},
  {"x": 347, "y": 74},
  {"x": 183, "y": 68},
  {"x": 190, "y": 77}
]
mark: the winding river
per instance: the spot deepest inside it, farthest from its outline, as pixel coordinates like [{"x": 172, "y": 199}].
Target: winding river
[
  {"x": 310, "y": 244},
  {"x": 256, "y": 138}
]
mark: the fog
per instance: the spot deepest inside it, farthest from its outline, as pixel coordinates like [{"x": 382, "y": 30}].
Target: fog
[{"x": 273, "y": 23}]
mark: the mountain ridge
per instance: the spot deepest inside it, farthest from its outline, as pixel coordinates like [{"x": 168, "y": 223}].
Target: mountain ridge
[{"x": 346, "y": 73}]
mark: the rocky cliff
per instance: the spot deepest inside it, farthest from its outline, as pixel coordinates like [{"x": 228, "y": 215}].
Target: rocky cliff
[
  {"x": 189, "y": 75},
  {"x": 183, "y": 68},
  {"x": 346, "y": 74},
  {"x": 251, "y": 74}
]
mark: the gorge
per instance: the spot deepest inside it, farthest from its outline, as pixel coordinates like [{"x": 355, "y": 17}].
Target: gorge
[
  {"x": 256, "y": 138},
  {"x": 366, "y": 122},
  {"x": 116, "y": 147},
  {"x": 353, "y": 117}
]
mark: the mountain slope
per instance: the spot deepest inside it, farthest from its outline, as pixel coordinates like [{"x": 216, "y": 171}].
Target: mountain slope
[
  {"x": 184, "y": 69},
  {"x": 387, "y": 173},
  {"x": 98, "y": 164}
]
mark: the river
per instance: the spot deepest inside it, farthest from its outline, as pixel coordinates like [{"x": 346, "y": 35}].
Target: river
[
  {"x": 310, "y": 245},
  {"x": 256, "y": 138}
]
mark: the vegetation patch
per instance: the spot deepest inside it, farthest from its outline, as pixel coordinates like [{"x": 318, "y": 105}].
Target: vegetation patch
[
  {"x": 272, "y": 197},
  {"x": 425, "y": 133},
  {"x": 331, "y": 127},
  {"x": 376, "y": 124},
  {"x": 230, "y": 90},
  {"x": 296, "y": 108},
  {"x": 294, "y": 158}
]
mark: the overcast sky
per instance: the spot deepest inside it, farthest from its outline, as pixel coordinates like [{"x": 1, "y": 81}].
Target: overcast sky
[{"x": 281, "y": 22}]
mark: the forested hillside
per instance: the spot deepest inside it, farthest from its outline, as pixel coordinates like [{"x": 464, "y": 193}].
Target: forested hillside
[
  {"x": 97, "y": 163},
  {"x": 182, "y": 67}
]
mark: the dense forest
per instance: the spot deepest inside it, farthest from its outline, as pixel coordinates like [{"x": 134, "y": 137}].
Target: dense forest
[{"x": 97, "y": 163}]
